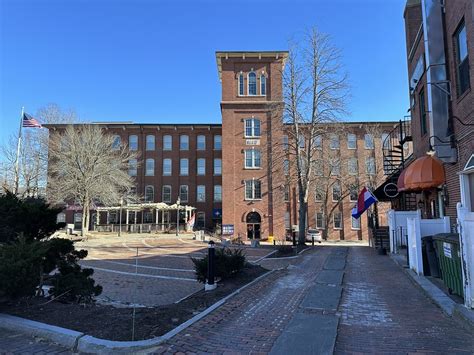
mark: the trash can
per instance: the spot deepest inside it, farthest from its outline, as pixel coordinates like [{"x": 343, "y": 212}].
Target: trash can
[
  {"x": 449, "y": 258},
  {"x": 430, "y": 259}
]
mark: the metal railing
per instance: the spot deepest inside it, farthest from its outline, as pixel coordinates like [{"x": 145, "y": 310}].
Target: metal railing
[{"x": 397, "y": 146}]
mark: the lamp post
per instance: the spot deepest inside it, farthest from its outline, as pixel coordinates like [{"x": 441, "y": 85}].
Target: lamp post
[
  {"x": 120, "y": 217},
  {"x": 178, "y": 201}
]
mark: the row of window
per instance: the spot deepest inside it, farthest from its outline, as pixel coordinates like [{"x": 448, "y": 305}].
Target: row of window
[
  {"x": 252, "y": 84},
  {"x": 335, "y": 166},
  {"x": 336, "y": 219},
  {"x": 334, "y": 141},
  {"x": 168, "y": 142},
  {"x": 336, "y": 191},
  {"x": 168, "y": 167},
  {"x": 165, "y": 218},
  {"x": 166, "y": 193}
]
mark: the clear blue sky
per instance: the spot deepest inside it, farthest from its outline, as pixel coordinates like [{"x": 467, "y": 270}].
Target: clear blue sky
[{"x": 154, "y": 61}]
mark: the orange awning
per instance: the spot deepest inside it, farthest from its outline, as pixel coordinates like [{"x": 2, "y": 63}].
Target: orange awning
[
  {"x": 424, "y": 173},
  {"x": 401, "y": 181}
]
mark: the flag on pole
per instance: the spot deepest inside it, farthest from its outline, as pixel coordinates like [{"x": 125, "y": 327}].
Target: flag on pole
[
  {"x": 364, "y": 201},
  {"x": 191, "y": 221},
  {"x": 29, "y": 121}
]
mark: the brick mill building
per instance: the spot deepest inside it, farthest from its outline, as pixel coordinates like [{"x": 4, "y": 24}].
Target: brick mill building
[{"x": 236, "y": 174}]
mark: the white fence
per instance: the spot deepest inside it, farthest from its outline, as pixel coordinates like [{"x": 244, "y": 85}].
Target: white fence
[
  {"x": 397, "y": 224},
  {"x": 466, "y": 238}
]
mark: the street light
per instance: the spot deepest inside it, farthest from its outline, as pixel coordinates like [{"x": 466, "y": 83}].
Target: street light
[
  {"x": 120, "y": 216},
  {"x": 178, "y": 201}
]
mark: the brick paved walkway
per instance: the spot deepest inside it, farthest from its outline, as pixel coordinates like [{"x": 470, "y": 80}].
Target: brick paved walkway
[
  {"x": 251, "y": 321},
  {"x": 382, "y": 311},
  {"x": 17, "y": 343}
]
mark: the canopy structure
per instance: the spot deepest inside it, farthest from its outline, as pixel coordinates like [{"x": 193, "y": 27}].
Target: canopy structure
[
  {"x": 401, "y": 181},
  {"x": 424, "y": 173}
]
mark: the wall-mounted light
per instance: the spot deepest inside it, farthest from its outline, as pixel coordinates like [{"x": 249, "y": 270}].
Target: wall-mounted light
[{"x": 420, "y": 204}]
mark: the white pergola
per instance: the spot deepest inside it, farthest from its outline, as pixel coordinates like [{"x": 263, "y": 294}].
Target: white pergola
[{"x": 141, "y": 207}]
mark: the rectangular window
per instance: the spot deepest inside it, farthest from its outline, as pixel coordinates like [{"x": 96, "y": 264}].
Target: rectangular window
[
  {"x": 166, "y": 195},
  {"x": 148, "y": 217},
  {"x": 184, "y": 193},
  {"x": 183, "y": 142},
  {"x": 319, "y": 220},
  {"x": 351, "y": 141},
  {"x": 201, "y": 166},
  {"x": 252, "y": 127},
  {"x": 217, "y": 193},
  {"x": 462, "y": 59},
  {"x": 353, "y": 193},
  {"x": 385, "y": 141},
  {"x": 253, "y": 190},
  {"x": 200, "y": 220},
  {"x": 184, "y": 167},
  {"x": 133, "y": 142},
  {"x": 369, "y": 141},
  {"x": 287, "y": 220},
  {"x": 201, "y": 142},
  {"x": 421, "y": 102},
  {"x": 337, "y": 219},
  {"x": 301, "y": 141},
  {"x": 318, "y": 167},
  {"x": 352, "y": 167},
  {"x": 335, "y": 167},
  {"x": 167, "y": 167},
  {"x": 149, "y": 193},
  {"x": 116, "y": 143},
  {"x": 167, "y": 142},
  {"x": 61, "y": 218},
  {"x": 217, "y": 142},
  {"x": 253, "y": 159},
  {"x": 355, "y": 223},
  {"x": 217, "y": 167},
  {"x": 132, "y": 167},
  {"x": 287, "y": 192},
  {"x": 150, "y": 142},
  {"x": 336, "y": 191},
  {"x": 370, "y": 165},
  {"x": 150, "y": 167},
  {"x": 318, "y": 194},
  {"x": 334, "y": 142},
  {"x": 318, "y": 142},
  {"x": 286, "y": 167},
  {"x": 285, "y": 142},
  {"x": 201, "y": 193}
]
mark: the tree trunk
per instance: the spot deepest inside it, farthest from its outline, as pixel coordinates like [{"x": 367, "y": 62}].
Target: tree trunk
[
  {"x": 302, "y": 218},
  {"x": 85, "y": 216}
]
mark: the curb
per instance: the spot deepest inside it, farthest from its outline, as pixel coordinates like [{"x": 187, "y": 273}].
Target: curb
[{"x": 78, "y": 341}]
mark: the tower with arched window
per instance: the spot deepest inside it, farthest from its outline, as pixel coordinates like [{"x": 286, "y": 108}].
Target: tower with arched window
[{"x": 251, "y": 106}]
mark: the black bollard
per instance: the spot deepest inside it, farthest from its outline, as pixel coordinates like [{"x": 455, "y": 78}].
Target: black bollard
[
  {"x": 210, "y": 285},
  {"x": 294, "y": 239},
  {"x": 312, "y": 240}
]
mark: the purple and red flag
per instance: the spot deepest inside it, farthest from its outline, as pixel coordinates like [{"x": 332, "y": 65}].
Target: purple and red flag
[
  {"x": 364, "y": 201},
  {"x": 30, "y": 122}
]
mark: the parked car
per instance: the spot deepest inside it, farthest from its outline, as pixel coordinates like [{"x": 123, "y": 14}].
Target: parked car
[{"x": 314, "y": 233}]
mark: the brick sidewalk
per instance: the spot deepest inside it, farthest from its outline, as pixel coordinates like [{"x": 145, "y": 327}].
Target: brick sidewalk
[
  {"x": 251, "y": 321},
  {"x": 17, "y": 343},
  {"x": 382, "y": 311}
]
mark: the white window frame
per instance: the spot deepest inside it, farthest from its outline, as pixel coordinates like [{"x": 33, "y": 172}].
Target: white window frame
[
  {"x": 351, "y": 137},
  {"x": 201, "y": 142},
  {"x": 253, "y": 127},
  {"x": 319, "y": 226},
  {"x": 253, "y": 158},
  {"x": 355, "y": 227},
  {"x": 150, "y": 142},
  {"x": 286, "y": 167},
  {"x": 165, "y": 143},
  {"x": 350, "y": 165},
  {"x": 183, "y": 170},
  {"x": 253, "y": 184},
  {"x": 368, "y": 137},
  {"x": 263, "y": 85},
  {"x": 285, "y": 142},
  {"x": 241, "y": 84},
  {"x": 152, "y": 193},
  {"x": 287, "y": 220},
  {"x": 369, "y": 165},
  {"x": 163, "y": 197},
  {"x": 337, "y": 183},
  {"x": 316, "y": 199},
  {"x": 218, "y": 194},
  {"x": 335, "y": 168},
  {"x": 201, "y": 196},
  {"x": 183, "y": 142},
  {"x": 318, "y": 142},
  {"x": 165, "y": 173},
  {"x": 248, "y": 83},
  {"x": 181, "y": 193},
  {"x": 339, "y": 213},
  {"x": 201, "y": 216},
  {"x": 334, "y": 139},
  {"x": 217, "y": 167},
  {"x": 132, "y": 167},
  {"x": 61, "y": 217},
  {"x": 133, "y": 145},
  {"x": 116, "y": 142},
  {"x": 150, "y": 171},
  {"x": 217, "y": 142},
  {"x": 355, "y": 190},
  {"x": 201, "y": 170}
]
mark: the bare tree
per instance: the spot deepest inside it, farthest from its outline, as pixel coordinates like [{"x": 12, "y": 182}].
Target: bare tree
[
  {"x": 33, "y": 158},
  {"x": 315, "y": 93},
  {"x": 88, "y": 167}
]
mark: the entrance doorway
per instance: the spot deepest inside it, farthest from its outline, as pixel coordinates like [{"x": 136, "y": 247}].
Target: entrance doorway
[{"x": 253, "y": 225}]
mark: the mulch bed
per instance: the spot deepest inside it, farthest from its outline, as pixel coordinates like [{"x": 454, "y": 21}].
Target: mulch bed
[{"x": 108, "y": 322}]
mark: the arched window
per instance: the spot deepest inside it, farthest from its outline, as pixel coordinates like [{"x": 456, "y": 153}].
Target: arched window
[
  {"x": 184, "y": 142},
  {"x": 116, "y": 143},
  {"x": 263, "y": 85},
  {"x": 150, "y": 142},
  {"x": 241, "y": 84},
  {"x": 167, "y": 142},
  {"x": 149, "y": 194},
  {"x": 252, "y": 82},
  {"x": 133, "y": 142},
  {"x": 150, "y": 167}
]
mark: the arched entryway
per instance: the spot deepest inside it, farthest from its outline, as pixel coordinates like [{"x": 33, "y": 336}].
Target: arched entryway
[{"x": 254, "y": 222}]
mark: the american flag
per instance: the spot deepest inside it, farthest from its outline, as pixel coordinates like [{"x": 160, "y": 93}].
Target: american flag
[{"x": 30, "y": 121}]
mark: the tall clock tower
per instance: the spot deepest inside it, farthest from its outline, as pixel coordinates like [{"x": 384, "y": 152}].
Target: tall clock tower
[{"x": 252, "y": 143}]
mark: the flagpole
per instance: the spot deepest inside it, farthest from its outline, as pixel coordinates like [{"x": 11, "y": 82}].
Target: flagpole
[{"x": 17, "y": 160}]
